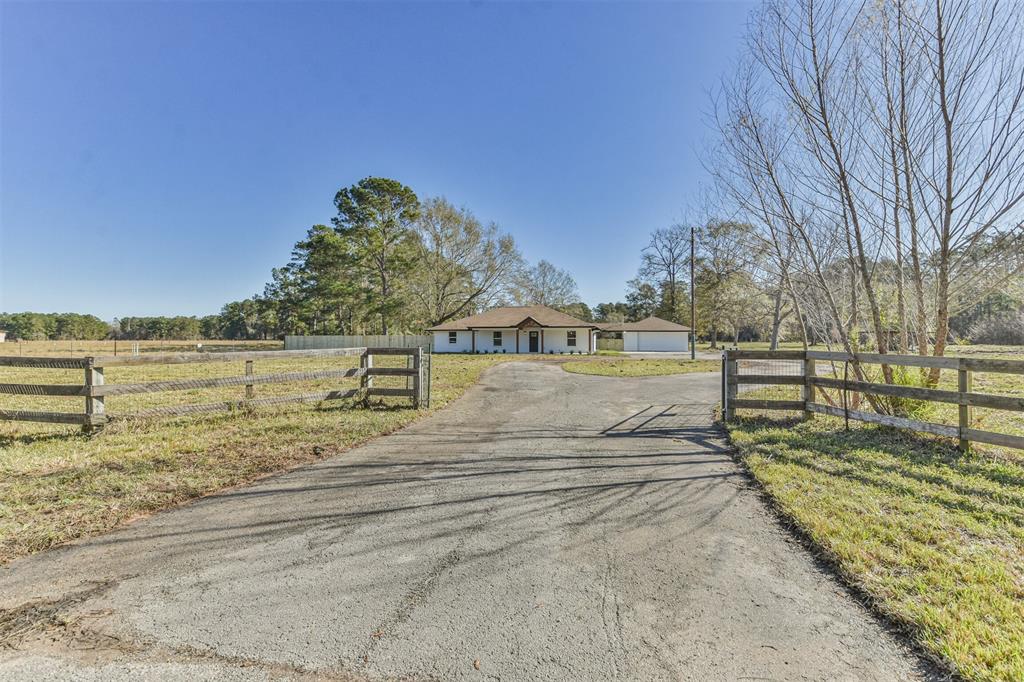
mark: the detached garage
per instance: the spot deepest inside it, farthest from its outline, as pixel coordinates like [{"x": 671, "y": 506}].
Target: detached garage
[{"x": 652, "y": 335}]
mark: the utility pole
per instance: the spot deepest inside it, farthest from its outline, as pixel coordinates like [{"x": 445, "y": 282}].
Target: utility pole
[{"x": 693, "y": 300}]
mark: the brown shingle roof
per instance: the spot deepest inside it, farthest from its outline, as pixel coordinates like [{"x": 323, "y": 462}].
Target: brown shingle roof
[
  {"x": 650, "y": 324},
  {"x": 513, "y": 316}
]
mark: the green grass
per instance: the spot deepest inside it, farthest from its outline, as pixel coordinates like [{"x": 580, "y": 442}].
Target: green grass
[
  {"x": 57, "y": 485},
  {"x": 933, "y": 537},
  {"x": 641, "y": 367}
]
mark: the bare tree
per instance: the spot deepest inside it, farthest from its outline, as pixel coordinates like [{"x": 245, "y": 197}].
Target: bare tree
[
  {"x": 544, "y": 284},
  {"x": 463, "y": 265},
  {"x": 665, "y": 261},
  {"x": 878, "y": 151}
]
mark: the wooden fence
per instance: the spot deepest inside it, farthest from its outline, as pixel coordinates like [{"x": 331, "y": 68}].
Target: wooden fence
[
  {"x": 610, "y": 344},
  {"x": 314, "y": 342},
  {"x": 95, "y": 389},
  {"x": 803, "y": 372}
]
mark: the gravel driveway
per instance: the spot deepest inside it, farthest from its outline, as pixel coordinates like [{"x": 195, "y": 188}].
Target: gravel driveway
[{"x": 547, "y": 526}]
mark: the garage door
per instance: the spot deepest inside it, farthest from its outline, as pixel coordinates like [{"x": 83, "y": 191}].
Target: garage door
[{"x": 662, "y": 341}]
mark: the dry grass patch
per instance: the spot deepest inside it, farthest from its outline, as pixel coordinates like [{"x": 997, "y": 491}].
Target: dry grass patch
[
  {"x": 639, "y": 367},
  {"x": 77, "y": 348}
]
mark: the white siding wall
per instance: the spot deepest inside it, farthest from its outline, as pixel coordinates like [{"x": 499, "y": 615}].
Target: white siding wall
[
  {"x": 485, "y": 341},
  {"x": 555, "y": 340},
  {"x": 463, "y": 343}
]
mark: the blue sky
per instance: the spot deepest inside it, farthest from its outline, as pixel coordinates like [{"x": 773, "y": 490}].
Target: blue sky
[{"x": 161, "y": 158}]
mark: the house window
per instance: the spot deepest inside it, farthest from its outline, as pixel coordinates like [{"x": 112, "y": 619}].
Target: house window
[
  {"x": 570, "y": 337},
  {"x": 497, "y": 338},
  {"x": 453, "y": 337}
]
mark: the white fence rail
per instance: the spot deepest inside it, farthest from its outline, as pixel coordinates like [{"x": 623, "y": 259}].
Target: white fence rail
[{"x": 424, "y": 341}]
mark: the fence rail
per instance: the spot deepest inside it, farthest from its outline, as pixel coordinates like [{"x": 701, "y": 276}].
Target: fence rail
[
  {"x": 810, "y": 382},
  {"x": 95, "y": 389}
]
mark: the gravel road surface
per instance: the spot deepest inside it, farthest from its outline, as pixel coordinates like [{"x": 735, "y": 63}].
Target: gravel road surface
[{"x": 546, "y": 526}]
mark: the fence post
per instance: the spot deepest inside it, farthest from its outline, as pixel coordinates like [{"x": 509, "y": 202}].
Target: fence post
[
  {"x": 724, "y": 379},
  {"x": 965, "y": 384},
  {"x": 731, "y": 387},
  {"x": 810, "y": 370},
  {"x": 430, "y": 373},
  {"x": 95, "y": 409},
  {"x": 248, "y": 375},
  {"x": 417, "y": 384},
  {"x": 366, "y": 362}
]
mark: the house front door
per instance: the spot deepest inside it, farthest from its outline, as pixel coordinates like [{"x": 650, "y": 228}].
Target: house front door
[{"x": 534, "y": 342}]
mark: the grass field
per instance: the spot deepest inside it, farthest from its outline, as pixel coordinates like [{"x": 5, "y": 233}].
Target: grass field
[
  {"x": 639, "y": 367},
  {"x": 78, "y": 349},
  {"x": 57, "y": 484},
  {"x": 934, "y": 538}
]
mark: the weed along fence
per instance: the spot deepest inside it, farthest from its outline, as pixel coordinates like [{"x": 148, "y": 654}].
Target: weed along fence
[
  {"x": 883, "y": 389},
  {"x": 381, "y": 372}
]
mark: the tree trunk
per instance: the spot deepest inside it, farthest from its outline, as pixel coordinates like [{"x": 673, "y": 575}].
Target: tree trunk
[
  {"x": 672, "y": 296},
  {"x": 942, "y": 309},
  {"x": 776, "y": 320}
]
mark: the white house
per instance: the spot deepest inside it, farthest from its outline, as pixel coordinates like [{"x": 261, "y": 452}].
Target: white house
[
  {"x": 652, "y": 334},
  {"x": 516, "y": 329}
]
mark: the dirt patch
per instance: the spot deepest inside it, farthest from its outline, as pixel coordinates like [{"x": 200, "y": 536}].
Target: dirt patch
[{"x": 43, "y": 617}]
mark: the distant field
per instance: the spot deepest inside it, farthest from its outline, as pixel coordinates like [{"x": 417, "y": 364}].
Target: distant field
[{"x": 78, "y": 349}]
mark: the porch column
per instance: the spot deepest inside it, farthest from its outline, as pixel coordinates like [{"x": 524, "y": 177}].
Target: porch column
[
  {"x": 517, "y": 342},
  {"x": 541, "y": 340}
]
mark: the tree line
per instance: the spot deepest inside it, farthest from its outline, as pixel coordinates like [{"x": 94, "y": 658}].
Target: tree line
[{"x": 31, "y": 326}]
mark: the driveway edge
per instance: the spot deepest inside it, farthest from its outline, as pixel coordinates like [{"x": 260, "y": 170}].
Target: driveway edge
[{"x": 936, "y": 668}]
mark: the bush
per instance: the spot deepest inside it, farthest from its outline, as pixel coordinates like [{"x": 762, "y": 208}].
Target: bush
[
  {"x": 1006, "y": 330},
  {"x": 912, "y": 408}
]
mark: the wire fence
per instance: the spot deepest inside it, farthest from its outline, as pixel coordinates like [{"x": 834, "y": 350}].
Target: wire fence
[
  {"x": 966, "y": 398},
  {"x": 49, "y": 389}
]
